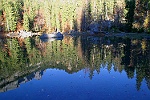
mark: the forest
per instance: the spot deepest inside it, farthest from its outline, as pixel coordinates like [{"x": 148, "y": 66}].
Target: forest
[{"x": 78, "y": 15}]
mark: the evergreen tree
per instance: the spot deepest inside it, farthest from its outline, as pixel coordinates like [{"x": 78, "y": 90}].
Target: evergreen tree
[
  {"x": 26, "y": 22},
  {"x": 30, "y": 6},
  {"x": 130, "y": 6},
  {"x": 11, "y": 9}
]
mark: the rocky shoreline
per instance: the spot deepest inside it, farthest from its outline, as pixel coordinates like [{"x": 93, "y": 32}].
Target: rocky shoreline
[{"x": 24, "y": 34}]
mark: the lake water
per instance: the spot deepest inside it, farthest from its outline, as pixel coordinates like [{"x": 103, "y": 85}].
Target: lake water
[{"x": 75, "y": 68}]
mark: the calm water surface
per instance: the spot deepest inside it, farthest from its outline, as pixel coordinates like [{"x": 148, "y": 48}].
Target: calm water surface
[{"x": 75, "y": 68}]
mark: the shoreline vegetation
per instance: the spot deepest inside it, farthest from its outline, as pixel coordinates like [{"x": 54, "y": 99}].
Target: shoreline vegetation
[{"x": 84, "y": 16}]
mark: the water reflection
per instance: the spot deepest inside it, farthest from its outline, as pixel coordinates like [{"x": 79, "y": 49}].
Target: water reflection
[
  {"x": 15, "y": 83},
  {"x": 21, "y": 60}
]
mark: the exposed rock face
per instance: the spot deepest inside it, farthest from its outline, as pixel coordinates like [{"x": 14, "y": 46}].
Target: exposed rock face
[
  {"x": 101, "y": 26},
  {"x": 94, "y": 27},
  {"x": 14, "y": 84}
]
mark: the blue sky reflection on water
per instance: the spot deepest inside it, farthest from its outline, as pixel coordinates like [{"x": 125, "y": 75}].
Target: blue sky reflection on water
[{"x": 58, "y": 85}]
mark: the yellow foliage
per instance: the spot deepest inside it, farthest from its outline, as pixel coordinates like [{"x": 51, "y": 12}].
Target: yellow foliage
[
  {"x": 143, "y": 45},
  {"x": 147, "y": 22}
]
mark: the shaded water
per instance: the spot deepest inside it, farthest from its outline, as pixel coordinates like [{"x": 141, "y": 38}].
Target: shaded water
[{"x": 79, "y": 67}]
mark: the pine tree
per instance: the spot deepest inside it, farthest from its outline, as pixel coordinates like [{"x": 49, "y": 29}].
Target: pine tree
[
  {"x": 26, "y": 22},
  {"x": 130, "y": 6},
  {"x": 11, "y": 10}
]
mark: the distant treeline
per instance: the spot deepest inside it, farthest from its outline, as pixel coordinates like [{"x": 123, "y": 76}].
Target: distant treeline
[{"x": 65, "y": 15}]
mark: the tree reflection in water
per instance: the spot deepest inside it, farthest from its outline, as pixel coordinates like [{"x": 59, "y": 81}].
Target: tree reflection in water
[{"x": 22, "y": 60}]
